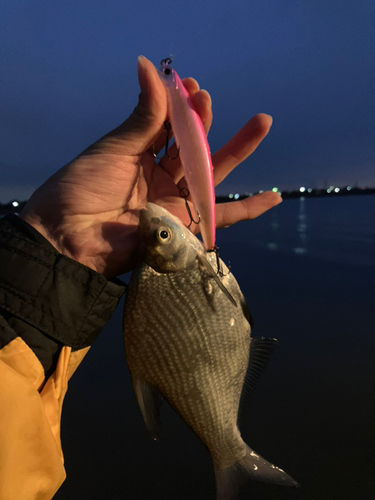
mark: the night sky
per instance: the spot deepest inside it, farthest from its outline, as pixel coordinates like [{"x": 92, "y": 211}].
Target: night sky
[{"x": 68, "y": 76}]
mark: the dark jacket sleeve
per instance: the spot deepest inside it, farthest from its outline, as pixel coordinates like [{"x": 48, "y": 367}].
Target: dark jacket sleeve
[
  {"x": 47, "y": 299},
  {"x": 51, "y": 310}
]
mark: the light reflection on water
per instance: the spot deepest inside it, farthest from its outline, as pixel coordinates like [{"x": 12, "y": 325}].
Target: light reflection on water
[
  {"x": 275, "y": 228},
  {"x": 340, "y": 230},
  {"x": 302, "y": 227}
]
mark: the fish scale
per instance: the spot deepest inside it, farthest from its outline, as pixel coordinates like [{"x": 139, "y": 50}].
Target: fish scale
[
  {"x": 201, "y": 384},
  {"x": 187, "y": 337}
]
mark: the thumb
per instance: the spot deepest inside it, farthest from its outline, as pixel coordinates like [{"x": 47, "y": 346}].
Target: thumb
[{"x": 145, "y": 123}]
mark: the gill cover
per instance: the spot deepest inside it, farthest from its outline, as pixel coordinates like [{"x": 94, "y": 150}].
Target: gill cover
[{"x": 170, "y": 247}]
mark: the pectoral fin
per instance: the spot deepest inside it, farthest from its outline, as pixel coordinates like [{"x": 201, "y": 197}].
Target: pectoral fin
[
  {"x": 261, "y": 350},
  {"x": 202, "y": 259},
  {"x": 149, "y": 401}
]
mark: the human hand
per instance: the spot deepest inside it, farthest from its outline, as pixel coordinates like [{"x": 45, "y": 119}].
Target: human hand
[{"x": 89, "y": 209}]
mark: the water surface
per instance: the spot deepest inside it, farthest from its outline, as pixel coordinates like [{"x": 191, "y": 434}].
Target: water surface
[{"x": 307, "y": 271}]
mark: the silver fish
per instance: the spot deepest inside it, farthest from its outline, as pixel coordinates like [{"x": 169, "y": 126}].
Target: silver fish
[{"x": 187, "y": 334}]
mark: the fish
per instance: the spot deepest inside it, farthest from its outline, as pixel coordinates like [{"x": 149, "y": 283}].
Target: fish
[
  {"x": 194, "y": 151},
  {"x": 187, "y": 343}
]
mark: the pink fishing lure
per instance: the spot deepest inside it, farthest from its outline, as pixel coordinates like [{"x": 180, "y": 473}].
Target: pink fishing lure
[{"x": 194, "y": 151}]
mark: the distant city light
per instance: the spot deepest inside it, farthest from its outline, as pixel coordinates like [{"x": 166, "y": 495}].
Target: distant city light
[
  {"x": 299, "y": 192},
  {"x": 272, "y": 246},
  {"x": 15, "y": 203}
]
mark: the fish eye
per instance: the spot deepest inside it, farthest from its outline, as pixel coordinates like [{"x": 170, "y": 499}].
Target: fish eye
[
  {"x": 163, "y": 235},
  {"x": 167, "y": 71}
]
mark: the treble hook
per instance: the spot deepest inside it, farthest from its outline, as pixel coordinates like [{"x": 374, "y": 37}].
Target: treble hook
[
  {"x": 167, "y": 127},
  {"x": 218, "y": 264},
  {"x": 184, "y": 193}
]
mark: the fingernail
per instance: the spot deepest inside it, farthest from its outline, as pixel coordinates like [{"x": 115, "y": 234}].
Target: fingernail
[
  {"x": 141, "y": 60},
  {"x": 142, "y": 74}
]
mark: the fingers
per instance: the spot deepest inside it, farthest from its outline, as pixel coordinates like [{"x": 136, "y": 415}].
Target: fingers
[
  {"x": 152, "y": 97},
  {"x": 249, "y": 208},
  {"x": 191, "y": 85},
  {"x": 138, "y": 132},
  {"x": 203, "y": 106},
  {"x": 240, "y": 146},
  {"x": 201, "y": 101}
]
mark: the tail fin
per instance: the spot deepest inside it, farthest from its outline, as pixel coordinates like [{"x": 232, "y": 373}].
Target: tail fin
[{"x": 251, "y": 466}]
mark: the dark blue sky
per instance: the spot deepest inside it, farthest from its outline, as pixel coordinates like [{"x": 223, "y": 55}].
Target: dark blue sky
[{"x": 68, "y": 76}]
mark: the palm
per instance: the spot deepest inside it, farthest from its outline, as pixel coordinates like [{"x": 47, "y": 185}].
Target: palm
[
  {"x": 117, "y": 215},
  {"x": 89, "y": 209}
]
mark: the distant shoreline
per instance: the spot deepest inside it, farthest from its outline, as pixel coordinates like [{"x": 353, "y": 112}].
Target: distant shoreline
[
  {"x": 303, "y": 193},
  {"x": 16, "y": 206}
]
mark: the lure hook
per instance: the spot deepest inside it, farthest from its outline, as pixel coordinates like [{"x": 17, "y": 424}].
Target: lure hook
[
  {"x": 218, "y": 264},
  {"x": 184, "y": 193},
  {"x": 167, "y": 127}
]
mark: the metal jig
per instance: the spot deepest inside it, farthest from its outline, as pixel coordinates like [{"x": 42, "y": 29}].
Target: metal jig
[
  {"x": 184, "y": 193},
  {"x": 167, "y": 127},
  {"x": 218, "y": 265}
]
